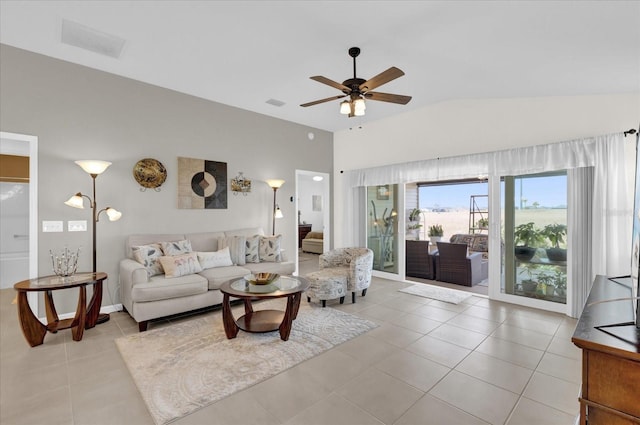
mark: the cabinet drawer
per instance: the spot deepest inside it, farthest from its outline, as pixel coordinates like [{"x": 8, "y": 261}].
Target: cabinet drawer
[{"x": 613, "y": 382}]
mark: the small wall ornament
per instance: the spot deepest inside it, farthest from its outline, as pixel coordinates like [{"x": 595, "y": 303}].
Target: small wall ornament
[
  {"x": 150, "y": 174},
  {"x": 240, "y": 184}
]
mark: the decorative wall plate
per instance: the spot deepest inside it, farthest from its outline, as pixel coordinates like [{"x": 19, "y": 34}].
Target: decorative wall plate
[{"x": 149, "y": 173}]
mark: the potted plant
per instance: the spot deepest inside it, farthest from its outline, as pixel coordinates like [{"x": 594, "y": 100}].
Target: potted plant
[
  {"x": 546, "y": 283},
  {"x": 413, "y": 225},
  {"x": 530, "y": 285},
  {"x": 435, "y": 233},
  {"x": 560, "y": 283},
  {"x": 483, "y": 223},
  {"x": 555, "y": 233},
  {"x": 528, "y": 235}
]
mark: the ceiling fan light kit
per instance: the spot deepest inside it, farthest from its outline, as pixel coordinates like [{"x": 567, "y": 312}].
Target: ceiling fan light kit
[{"x": 359, "y": 89}]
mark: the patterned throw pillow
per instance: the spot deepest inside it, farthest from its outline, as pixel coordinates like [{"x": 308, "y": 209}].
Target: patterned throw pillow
[
  {"x": 176, "y": 248},
  {"x": 236, "y": 248},
  {"x": 180, "y": 265},
  {"x": 252, "y": 251},
  {"x": 480, "y": 243},
  {"x": 148, "y": 255},
  {"x": 270, "y": 248},
  {"x": 220, "y": 258}
]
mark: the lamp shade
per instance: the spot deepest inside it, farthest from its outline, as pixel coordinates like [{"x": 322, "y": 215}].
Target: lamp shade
[
  {"x": 275, "y": 183},
  {"x": 359, "y": 107},
  {"x": 345, "y": 108},
  {"x": 76, "y": 201},
  {"x": 278, "y": 213},
  {"x": 113, "y": 214},
  {"x": 93, "y": 166}
]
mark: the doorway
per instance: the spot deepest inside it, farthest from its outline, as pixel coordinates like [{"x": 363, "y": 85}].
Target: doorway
[
  {"x": 313, "y": 206},
  {"x": 26, "y": 241}
]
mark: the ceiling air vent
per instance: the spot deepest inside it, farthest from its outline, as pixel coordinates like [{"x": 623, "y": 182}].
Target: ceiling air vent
[
  {"x": 275, "y": 102},
  {"x": 91, "y": 39}
]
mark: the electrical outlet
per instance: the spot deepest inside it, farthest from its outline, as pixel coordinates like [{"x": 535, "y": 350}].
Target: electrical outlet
[
  {"x": 77, "y": 226},
  {"x": 52, "y": 226}
]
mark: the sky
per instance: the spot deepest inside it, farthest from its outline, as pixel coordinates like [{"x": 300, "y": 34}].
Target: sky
[{"x": 547, "y": 191}]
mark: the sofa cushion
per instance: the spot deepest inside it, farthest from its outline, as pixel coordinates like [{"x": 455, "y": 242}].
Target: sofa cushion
[
  {"x": 314, "y": 235},
  {"x": 161, "y": 288},
  {"x": 220, "y": 258},
  {"x": 252, "y": 249},
  {"x": 148, "y": 256},
  {"x": 236, "y": 246},
  {"x": 270, "y": 248},
  {"x": 480, "y": 243},
  {"x": 146, "y": 239},
  {"x": 176, "y": 247},
  {"x": 180, "y": 265},
  {"x": 462, "y": 238},
  {"x": 217, "y": 276},
  {"x": 204, "y": 242}
]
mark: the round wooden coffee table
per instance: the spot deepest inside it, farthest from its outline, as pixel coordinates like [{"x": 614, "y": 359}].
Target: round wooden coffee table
[
  {"x": 290, "y": 287},
  {"x": 33, "y": 330}
]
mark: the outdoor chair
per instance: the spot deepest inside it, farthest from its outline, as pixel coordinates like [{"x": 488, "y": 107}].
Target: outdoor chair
[{"x": 453, "y": 265}]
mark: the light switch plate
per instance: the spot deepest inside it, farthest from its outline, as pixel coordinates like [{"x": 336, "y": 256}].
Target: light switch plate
[
  {"x": 77, "y": 226},
  {"x": 52, "y": 226}
]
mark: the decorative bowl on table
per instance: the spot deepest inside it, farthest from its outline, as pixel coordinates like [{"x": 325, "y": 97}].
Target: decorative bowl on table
[{"x": 261, "y": 278}]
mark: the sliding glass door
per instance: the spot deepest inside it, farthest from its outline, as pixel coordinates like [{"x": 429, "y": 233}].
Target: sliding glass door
[
  {"x": 534, "y": 239},
  {"x": 382, "y": 227}
]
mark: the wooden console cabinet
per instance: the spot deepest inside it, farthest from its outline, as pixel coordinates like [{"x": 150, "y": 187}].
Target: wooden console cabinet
[
  {"x": 610, "y": 357},
  {"x": 303, "y": 229}
]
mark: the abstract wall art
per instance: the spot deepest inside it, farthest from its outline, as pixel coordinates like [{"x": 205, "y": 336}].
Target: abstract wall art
[{"x": 202, "y": 184}]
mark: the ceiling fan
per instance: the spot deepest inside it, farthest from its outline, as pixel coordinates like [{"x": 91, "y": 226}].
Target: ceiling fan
[{"x": 359, "y": 89}]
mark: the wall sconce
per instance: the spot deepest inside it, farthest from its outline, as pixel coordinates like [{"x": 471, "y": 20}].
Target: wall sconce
[
  {"x": 94, "y": 168},
  {"x": 240, "y": 184},
  {"x": 275, "y": 184}
]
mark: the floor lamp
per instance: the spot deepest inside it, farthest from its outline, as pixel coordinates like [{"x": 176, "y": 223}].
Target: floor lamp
[
  {"x": 275, "y": 184},
  {"x": 94, "y": 168}
]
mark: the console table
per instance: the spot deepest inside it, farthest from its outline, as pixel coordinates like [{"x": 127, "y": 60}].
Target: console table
[
  {"x": 610, "y": 356},
  {"x": 303, "y": 229},
  {"x": 33, "y": 330}
]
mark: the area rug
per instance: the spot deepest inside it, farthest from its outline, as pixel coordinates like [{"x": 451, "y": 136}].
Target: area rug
[
  {"x": 186, "y": 366},
  {"x": 437, "y": 293}
]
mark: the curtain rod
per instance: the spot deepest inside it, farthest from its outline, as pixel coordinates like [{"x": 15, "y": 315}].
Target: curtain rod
[{"x": 632, "y": 131}]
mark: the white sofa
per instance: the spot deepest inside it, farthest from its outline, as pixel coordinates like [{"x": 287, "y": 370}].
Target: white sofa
[{"x": 147, "y": 297}]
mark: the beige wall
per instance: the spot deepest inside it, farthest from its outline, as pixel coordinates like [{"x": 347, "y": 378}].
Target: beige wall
[{"x": 80, "y": 113}]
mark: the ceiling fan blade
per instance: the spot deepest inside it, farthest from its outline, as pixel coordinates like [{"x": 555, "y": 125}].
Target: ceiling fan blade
[
  {"x": 380, "y": 79},
  {"x": 328, "y": 99},
  {"x": 325, "y": 80},
  {"x": 388, "y": 97}
]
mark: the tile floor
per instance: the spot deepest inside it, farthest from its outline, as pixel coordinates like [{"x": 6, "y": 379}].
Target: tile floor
[{"x": 429, "y": 362}]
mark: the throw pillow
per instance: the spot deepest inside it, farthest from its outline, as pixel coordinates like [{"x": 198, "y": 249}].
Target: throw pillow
[
  {"x": 176, "y": 248},
  {"x": 252, "y": 251},
  {"x": 236, "y": 248},
  {"x": 148, "y": 256},
  {"x": 180, "y": 265},
  {"x": 220, "y": 258},
  {"x": 270, "y": 248}
]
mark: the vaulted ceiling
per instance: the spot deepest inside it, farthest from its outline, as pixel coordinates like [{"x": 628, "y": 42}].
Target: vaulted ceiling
[{"x": 245, "y": 53}]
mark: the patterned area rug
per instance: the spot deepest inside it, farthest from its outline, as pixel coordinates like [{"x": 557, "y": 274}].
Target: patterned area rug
[
  {"x": 187, "y": 366},
  {"x": 437, "y": 293}
]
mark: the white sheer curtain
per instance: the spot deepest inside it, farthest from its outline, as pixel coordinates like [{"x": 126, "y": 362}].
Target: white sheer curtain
[
  {"x": 611, "y": 225},
  {"x": 579, "y": 240}
]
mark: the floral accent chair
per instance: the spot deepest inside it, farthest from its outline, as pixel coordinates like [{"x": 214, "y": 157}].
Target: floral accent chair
[{"x": 341, "y": 270}]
